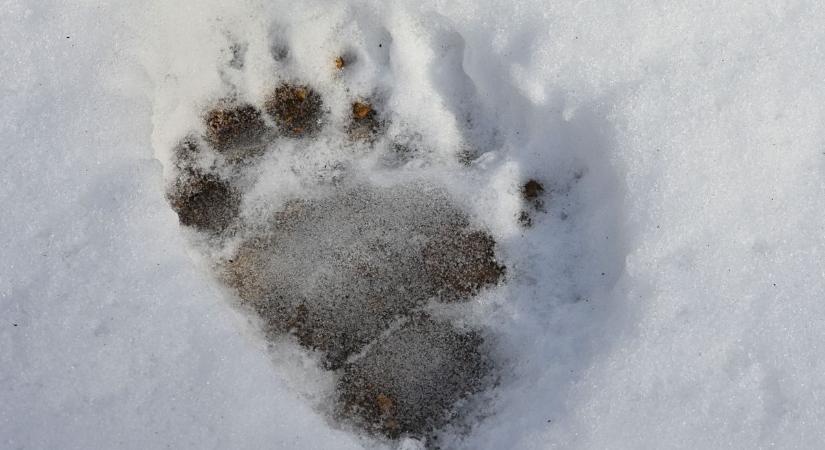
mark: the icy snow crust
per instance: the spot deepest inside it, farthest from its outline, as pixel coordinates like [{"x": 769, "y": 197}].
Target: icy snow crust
[{"x": 670, "y": 296}]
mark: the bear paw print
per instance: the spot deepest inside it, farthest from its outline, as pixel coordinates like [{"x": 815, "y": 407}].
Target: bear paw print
[{"x": 347, "y": 268}]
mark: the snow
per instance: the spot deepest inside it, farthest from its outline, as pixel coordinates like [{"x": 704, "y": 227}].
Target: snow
[{"x": 670, "y": 296}]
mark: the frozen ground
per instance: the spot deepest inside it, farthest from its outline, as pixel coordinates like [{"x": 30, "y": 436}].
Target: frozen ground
[{"x": 678, "y": 305}]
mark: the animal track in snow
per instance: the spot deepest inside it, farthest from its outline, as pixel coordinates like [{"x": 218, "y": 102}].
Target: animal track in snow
[{"x": 346, "y": 265}]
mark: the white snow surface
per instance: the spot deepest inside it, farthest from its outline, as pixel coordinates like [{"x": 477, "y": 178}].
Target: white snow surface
[{"x": 672, "y": 296}]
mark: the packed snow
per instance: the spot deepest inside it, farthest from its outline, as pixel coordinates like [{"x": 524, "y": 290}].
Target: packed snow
[{"x": 667, "y": 295}]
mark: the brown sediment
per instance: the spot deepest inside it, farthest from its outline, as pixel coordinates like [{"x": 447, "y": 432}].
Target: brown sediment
[
  {"x": 296, "y": 110},
  {"x": 365, "y": 124},
  {"x": 533, "y": 194},
  {"x": 532, "y": 190},
  {"x": 204, "y": 202},
  {"x": 230, "y": 125}
]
